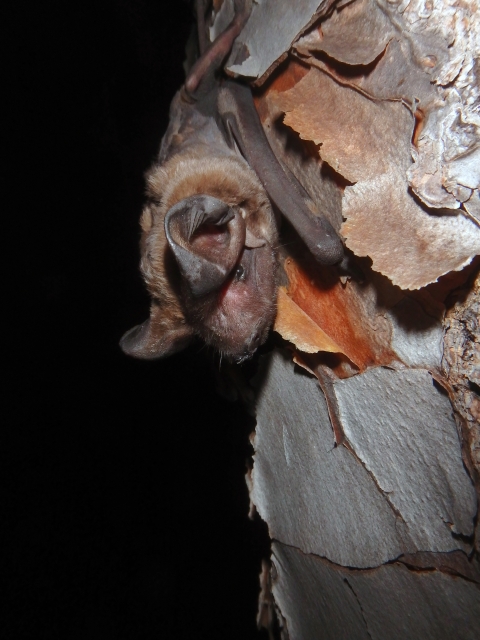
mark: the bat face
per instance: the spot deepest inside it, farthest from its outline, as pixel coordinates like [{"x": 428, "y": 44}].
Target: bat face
[
  {"x": 209, "y": 233},
  {"x": 227, "y": 274},
  {"x": 235, "y": 319},
  {"x": 208, "y": 259}
]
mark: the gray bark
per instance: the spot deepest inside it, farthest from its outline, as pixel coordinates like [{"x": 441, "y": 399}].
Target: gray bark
[{"x": 366, "y": 464}]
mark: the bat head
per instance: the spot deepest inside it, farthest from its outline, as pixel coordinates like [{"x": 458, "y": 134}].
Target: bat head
[{"x": 210, "y": 266}]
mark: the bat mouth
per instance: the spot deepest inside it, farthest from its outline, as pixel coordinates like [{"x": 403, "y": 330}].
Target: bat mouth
[
  {"x": 236, "y": 316},
  {"x": 245, "y": 306}
]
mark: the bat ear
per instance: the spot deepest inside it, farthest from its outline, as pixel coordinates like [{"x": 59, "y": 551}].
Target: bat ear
[
  {"x": 206, "y": 236},
  {"x": 153, "y": 340}
]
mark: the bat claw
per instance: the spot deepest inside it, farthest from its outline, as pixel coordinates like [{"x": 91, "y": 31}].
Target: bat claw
[{"x": 347, "y": 267}]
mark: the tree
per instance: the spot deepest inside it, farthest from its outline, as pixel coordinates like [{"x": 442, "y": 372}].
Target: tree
[{"x": 366, "y": 465}]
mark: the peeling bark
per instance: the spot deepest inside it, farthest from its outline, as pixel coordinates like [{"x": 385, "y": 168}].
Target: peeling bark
[
  {"x": 323, "y": 600},
  {"x": 461, "y": 362},
  {"x": 367, "y": 446}
]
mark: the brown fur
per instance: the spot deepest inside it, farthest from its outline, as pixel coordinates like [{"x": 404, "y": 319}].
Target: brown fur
[
  {"x": 197, "y": 167},
  {"x": 226, "y": 177}
]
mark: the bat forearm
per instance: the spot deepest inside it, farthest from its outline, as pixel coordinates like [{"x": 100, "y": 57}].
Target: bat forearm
[
  {"x": 209, "y": 233},
  {"x": 240, "y": 116}
]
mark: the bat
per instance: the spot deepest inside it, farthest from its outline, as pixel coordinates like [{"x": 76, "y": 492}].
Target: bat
[{"x": 209, "y": 231}]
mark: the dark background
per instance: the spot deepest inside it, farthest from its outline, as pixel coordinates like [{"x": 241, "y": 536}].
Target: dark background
[{"x": 124, "y": 506}]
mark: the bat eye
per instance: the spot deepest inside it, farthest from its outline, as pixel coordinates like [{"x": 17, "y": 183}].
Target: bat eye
[{"x": 239, "y": 273}]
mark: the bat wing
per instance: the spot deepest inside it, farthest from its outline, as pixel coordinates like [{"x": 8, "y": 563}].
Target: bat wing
[{"x": 242, "y": 124}]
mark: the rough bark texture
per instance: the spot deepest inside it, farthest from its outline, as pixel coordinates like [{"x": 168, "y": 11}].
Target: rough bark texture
[
  {"x": 367, "y": 446},
  {"x": 461, "y": 363}
]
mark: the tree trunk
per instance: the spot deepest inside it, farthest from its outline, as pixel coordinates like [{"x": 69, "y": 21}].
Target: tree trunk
[{"x": 367, "y": 459}]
